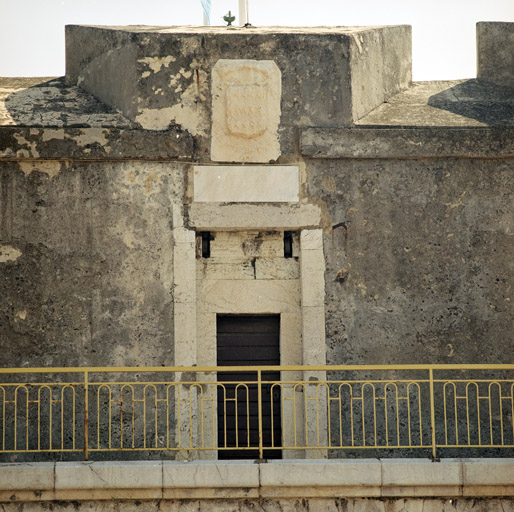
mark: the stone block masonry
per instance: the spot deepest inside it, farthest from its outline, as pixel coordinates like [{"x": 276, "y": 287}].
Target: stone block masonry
[{"x": 409, "y": 485}]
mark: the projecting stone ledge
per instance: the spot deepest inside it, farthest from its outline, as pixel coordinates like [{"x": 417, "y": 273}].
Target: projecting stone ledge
[
  {"x": 227, "y": 217},
  {"x": 93, "y": 144},
  {"x": 458, "y": 118},
  {"x": 43, "y": 118},
  {"x": 407, "y": 142},
  {"x": 284, "y": 479}
]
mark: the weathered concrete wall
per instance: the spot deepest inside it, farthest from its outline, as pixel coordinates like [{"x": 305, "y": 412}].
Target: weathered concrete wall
[
  {"x": 418, "y": 259},
  {"x": 409, "y": 210},
  {"x": 417, "y": 222},
  {"x": 86, "y": 268},
  {"x": 170, "y": 72},
  {"x": 495, "y": 53},
  {"x": 380, "y": 67}
]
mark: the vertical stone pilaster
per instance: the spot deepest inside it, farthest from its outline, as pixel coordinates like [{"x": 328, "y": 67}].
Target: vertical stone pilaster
[
  {"x": 312, "y": 277},
  {"x": 184, "y": 307},
  {"x": 184, "y": 291},
  {"x": 293, "y": 412}
]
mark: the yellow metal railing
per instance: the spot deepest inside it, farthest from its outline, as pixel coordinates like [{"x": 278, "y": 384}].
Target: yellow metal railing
[{"x": 441, "y": 409}]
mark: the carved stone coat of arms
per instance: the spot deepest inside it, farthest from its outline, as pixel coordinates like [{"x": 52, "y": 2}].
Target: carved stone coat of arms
[{"x": 245, "y": 111}]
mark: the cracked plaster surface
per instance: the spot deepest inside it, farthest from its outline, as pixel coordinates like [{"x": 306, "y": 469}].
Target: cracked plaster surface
[
  {"x": 49, "y": 168},
  {"x": 188, "y": 113}
]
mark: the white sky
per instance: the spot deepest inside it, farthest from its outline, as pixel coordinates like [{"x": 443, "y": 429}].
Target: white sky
[{"x": 32, "y": 31}]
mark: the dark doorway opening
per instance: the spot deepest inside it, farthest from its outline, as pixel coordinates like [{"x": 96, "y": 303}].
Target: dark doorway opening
[{"x": 248, "y": 340}]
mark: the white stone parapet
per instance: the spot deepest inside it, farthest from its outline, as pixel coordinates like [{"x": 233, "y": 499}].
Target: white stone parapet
[{"x": 363, "y": 478}]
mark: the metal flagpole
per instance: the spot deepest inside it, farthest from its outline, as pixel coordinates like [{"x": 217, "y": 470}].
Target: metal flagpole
[
  {"x": 206, "y": 6},
  {"x": 243, "y": 12}
]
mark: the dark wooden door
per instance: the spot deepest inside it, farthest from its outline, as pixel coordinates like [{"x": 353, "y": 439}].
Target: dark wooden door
[{"x": 244, "y": 340}]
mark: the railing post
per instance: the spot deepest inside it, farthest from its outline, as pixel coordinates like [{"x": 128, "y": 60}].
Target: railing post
[
  {"x": 259, "y": 399},
  {"x": 86, "y": 415},
  {"x": 432, "y": 411}
]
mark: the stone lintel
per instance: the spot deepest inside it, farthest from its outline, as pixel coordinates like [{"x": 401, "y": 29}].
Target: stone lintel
[
  {"x": 233, "y": 217},
  {"x": 365, "y": 478},
  {"x": 404, "y": 142}
]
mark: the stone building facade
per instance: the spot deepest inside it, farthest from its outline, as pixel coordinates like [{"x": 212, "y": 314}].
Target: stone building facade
[
  {"x": 397, "y": 195},
  {"x": 178, "y": 175}
]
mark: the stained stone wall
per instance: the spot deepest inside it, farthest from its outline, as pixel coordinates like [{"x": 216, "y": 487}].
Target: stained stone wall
[
  {"x": 418, "y": 266},
  {"x": 86, "y": 263},
  {"x": 417, "y": 254},
  {"x": 495, "y": 61},
  {"x": 276, "y": 505},
  {"x": 400, "y": 198},
  {"x": 162, "y": 77},
  {"x": 98, "y": 196}
]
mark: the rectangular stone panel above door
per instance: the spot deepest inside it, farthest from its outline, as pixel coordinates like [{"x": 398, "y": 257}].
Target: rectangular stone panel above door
[{"x": 247, "y": 183}]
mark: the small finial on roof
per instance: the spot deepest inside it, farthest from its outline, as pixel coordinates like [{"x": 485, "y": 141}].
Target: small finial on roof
[{"x": 229, "y": 19}]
